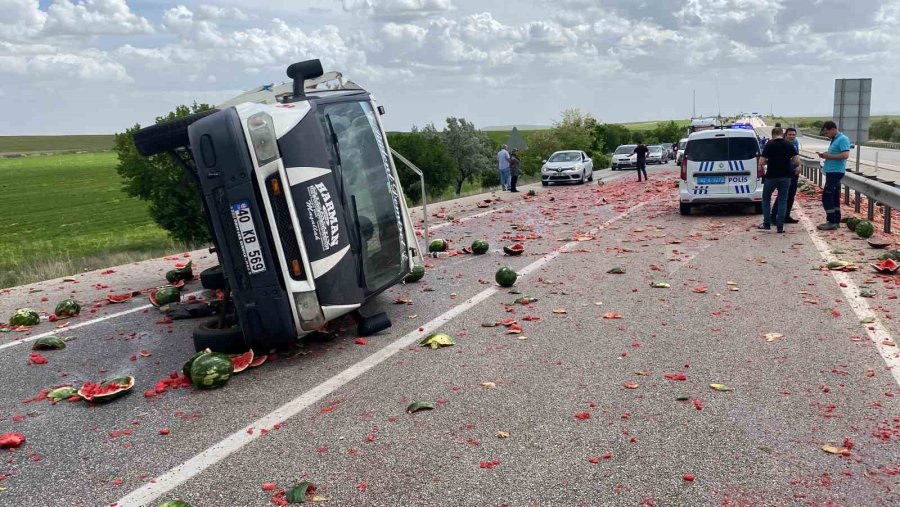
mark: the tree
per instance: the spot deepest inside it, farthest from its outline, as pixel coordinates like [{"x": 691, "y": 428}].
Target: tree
[
  {"x": 173, "y": 195},
  {"x": 428, "y": 153},
  {"x": 575, "y": 131},
  {"x": 609, "y": 136},
  {"x": 469, "y": 148},
  {"x": 668, "y": 132}
]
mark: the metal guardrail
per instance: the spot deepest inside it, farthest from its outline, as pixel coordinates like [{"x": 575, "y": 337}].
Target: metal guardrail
[
  {"x": 878, "y": 192},
  {"x": 884, "y": 145},
  {"x": 419, "y": 172}
]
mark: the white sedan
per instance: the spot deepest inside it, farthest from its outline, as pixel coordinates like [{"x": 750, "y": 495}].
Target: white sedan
[{"x": 567, "y": 166}]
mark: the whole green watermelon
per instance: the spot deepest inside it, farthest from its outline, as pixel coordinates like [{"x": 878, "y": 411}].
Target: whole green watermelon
[
  {"x": 418, "y": 271},
  {"x": 212, "y": 370},
  {"x": 865, "y": 229},
  {"x": 480, "y": 246},
  {"x": 506, "y": 276},
  {"x": 25, "y": 317},
  {"x": 852, "y": 222},
  {"x": 438, "y": 245}
]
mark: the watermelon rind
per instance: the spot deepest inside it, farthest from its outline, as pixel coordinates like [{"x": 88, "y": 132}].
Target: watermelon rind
[
  {"x": 174, "y": 503},
  {"x": 25, "y": 317},
  {"x": 211, "y": 371},
  {"x": 67, "y": 308},
  {"x": 513, "y": 250},
  {"x": 165, "y": 295},
  {"x": 185, "y": 273},
  {"x": 49, "y": 343}
]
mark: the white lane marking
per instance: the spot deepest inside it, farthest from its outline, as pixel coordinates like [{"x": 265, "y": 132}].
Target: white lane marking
[
  {"x": 27, "y": 339},
  {"x": 180, "y": 474},
  {"x": 878, "y": 333}
]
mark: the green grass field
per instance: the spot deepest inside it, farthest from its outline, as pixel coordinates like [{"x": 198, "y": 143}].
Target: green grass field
[
  {"x": 48, "y": 144},
  {"x": 644, "y": 126},
  {"x": 499, "y": 137},
  {"x": 62, "y": 214}
]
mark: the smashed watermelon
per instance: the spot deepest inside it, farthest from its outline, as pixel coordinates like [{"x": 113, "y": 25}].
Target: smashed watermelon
[
  {"x": 242, "y": 361},
  {"x": 174, "y": 503},
  {"x": 118, "y": 298},
  {"x": 516, "y": 249},
  {"x": 67, "y": 308},
  {"x": 107, "y": 390},
  {"x": 886, "y": 266},
  {"x": 180, "y": 274},
  {"x": 24, "y": 317},
  {"x": 165, "y": 295},
  {"x": 211, "y": 371}
]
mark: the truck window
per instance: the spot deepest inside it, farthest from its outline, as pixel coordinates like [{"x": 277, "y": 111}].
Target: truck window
[{"x": 368, "y": 181}]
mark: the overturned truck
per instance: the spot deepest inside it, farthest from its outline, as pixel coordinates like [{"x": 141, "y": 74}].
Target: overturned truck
[{"x": 303, "y": 204}]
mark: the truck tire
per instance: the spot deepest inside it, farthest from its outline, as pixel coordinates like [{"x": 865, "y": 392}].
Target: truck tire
[
  {"x": 213, "y": 278},
  {"x": 757, "y": 209},
  {"x": 229, "y": 340},
  {"x": 166, "y": 136},
  {"x": 685, "y": 209}
]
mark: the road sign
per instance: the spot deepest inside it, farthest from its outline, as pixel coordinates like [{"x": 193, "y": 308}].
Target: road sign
[{"x": 852, "y": 101}]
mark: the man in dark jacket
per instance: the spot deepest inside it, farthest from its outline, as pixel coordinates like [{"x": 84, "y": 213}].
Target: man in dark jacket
[
  {"x": 780, "y": 160},
  {"x": 514, "y": 165},
  {"x": 641, "y": 151}
]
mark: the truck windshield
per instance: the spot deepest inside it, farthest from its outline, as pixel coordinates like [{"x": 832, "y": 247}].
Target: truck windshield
[{"x": 368, "y": 182}]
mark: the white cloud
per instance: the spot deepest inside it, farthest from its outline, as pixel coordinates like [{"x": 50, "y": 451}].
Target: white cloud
[
  {"x": 397, "y": 9},
  {"x": 94, "y": 17},
  {"x": 44, "y": 63},
  {"x": 22, "y": 19}
]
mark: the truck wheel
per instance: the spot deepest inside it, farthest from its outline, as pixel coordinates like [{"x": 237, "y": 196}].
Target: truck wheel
[
  {"x": 213, "y": 278},
  {"x": 166, "y": 136},
  {"x": 757, "y": 209},
  {"x": 228, "y": 340},
  {"x": 685, "y": 209}
]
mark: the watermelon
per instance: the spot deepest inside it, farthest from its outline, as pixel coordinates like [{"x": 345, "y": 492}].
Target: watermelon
[
  {"x": 416, "y": 274},
  {"x": 241, "y": 362},
  {"x": 67, "y": 308},
  {"x": 211, "y": 371},
  {"x": 24, "y": 317},
  {"x": 506, "y": 277},
  {"x": 186, "y": 369},
  {"x": 532, "y": 193},
  {"x": 165, "y": 295},
  {"x": 107, "y": 390},
  {"x": 886, "y": 266},
  {"x": 893, "y": 254},
  {"x": 175, "y": 503},
  {"x": 118, "y": 298},
  {"x": 516, "y": 249},
  {"x": 879, "y": 242},
  {"x": 480, "y": 246},
  {"x": 438, "y": 245},
  {"x": 185, "y": 273},
  {"x": 865, "y": 229},
  {"x": 852, "y": 222},
  {"x": 258, "y": 361},
  {"x": 49, "y": 343}
]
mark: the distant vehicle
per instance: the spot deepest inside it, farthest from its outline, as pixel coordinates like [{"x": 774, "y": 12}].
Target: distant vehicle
[
  {"x": 623, "y": 157},
  {"x": 720, "y": 167},
  {"x": 700, "y": 124},
  {"x": 682, "y": 144},
  {"x": 657, "y": 155},
  {"x": 567, "y": 166}
]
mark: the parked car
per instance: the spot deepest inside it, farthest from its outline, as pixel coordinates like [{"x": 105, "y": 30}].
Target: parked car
[
  {"x": 567, "y": 166},
  {"x": 682, "y": 145},
  {"x": 623, "y": 157},
  {"x": 720, "y": 167},
  {"x": 304, "y": 205},
  {"x": 657, "y": 155}
]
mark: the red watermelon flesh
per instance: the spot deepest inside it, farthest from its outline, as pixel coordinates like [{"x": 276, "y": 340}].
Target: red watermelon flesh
[
  {"x": 118, "y": 298},
  {"x": 258, "y": 361},
  {"x": 887, "y": 266},
  {"x": 242, "y": 361}
]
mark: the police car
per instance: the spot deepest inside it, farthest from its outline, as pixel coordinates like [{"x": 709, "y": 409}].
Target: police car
[{"x": 719, "y": 166}]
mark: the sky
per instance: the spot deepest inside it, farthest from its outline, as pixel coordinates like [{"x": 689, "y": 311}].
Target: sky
[{"x": 101, "y": 66}]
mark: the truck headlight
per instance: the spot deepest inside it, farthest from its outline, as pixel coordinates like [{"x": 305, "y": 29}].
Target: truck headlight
[
  {"x": 311, "y": 317},
  {"x": 262, "y": 135}
]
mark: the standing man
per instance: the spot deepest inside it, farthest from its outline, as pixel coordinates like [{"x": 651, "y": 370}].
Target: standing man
[
  {"x": 503, "y": 160},
  {"x": 835, "y": 167},
  {"x": 790, "y": 135},
  {"x": 514, "y": 164},
  {"x": 777, "y": 158},
  {"x": 641, "y": 151}
]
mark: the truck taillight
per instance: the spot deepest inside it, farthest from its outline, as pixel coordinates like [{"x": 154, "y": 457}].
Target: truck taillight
[{"x": 684, "y": 161}]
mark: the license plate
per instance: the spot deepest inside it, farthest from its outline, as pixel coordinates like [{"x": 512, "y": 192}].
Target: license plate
[
  {"x": 711, "y": 180},
  {"x": 247, "y": 237}
]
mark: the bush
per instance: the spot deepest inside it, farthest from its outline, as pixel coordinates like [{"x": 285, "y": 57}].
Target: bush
[
  {"x": 609, "y": 136},
  {"x": 173, "y": 195},
  {"x": 430, "y": 155}
]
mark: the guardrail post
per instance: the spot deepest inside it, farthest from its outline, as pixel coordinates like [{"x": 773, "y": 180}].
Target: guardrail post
[
  {"x": 871, "y": 210},
  {"x": 847, "y": 195},
  {"x": 856, "y": 202},
  {"x": 887, "y": 218}
]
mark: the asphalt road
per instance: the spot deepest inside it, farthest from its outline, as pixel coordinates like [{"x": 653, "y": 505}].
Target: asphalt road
[{"x": 592, "y": 409}]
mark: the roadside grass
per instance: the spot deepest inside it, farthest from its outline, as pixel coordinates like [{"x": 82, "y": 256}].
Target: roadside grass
[
  {"x": 644, "y": 126},
  {"x": 49, "y": 144},
  {"x": 63, "y": 214}
]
